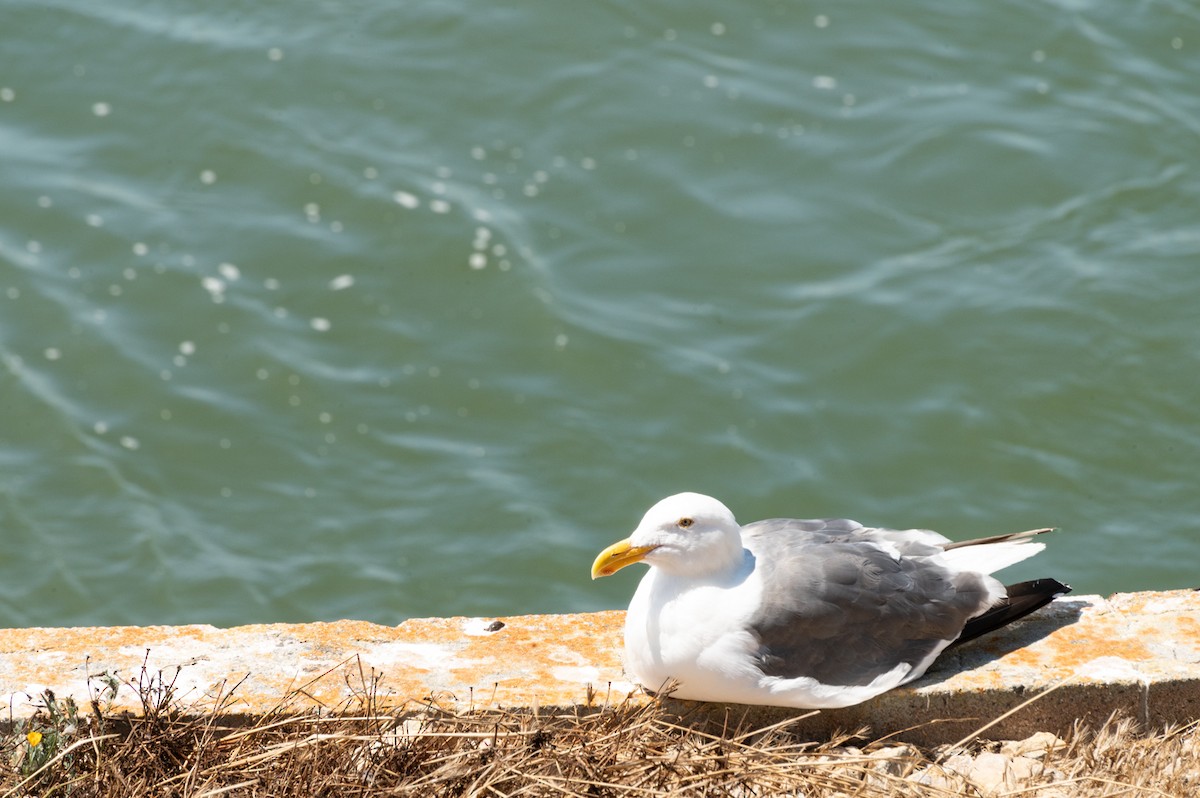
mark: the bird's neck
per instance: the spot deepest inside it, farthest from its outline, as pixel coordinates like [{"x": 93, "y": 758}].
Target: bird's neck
[{"x": 727, "y": 566}]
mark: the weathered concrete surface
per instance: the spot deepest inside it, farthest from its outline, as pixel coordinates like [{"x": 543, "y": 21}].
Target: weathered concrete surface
[{"x": 1136, "y": 653}]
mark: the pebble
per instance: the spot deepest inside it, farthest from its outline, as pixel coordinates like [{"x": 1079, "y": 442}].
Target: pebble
[
  {"x": 895, "y": 760},
  {"x": 1035, "y": 746},
  {"x": 993, "y": 772},
  {"x": 939, "y": 778},
  {"x": 1014, "y": 766}
]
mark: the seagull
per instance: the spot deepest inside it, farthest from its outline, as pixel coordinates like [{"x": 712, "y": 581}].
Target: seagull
[{"x": 812, "y": 614}]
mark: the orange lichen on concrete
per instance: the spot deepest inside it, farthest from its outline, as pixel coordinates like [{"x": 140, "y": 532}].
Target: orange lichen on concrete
[
  {"x": 551, "y": 660},
  {"x": 1067, "y": 649},
  {"x": 1144, "y": 649}
]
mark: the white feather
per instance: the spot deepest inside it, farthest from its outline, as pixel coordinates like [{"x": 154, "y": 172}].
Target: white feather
[{"x": 987, "y": 558}]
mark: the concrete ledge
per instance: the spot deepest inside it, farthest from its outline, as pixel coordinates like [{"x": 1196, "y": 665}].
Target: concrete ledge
[{"x": 1134, "y": 653}]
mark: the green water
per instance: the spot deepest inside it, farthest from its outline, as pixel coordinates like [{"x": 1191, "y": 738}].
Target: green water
[{"x": 378, "y": 310}]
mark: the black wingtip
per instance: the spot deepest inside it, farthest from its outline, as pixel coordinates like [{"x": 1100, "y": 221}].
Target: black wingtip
[
  {"x": 1038, "y": 587},
  {"x": 1023, "y": 598}
]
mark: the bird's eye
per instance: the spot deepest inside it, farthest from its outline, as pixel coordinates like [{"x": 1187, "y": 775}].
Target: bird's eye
[{"x": 686, "y": 522}]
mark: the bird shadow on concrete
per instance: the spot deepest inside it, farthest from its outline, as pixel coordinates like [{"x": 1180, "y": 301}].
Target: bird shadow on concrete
[{"x": 1058, "y": 614}]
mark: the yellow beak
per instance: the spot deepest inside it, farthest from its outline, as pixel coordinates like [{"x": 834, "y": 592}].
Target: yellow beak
[{"x": 617, "y": 556}]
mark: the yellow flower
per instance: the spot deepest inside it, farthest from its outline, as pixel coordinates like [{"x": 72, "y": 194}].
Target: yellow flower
[{"x": 34, "y": 738}]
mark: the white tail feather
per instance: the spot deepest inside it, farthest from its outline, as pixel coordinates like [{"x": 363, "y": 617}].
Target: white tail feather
[{"x": 990, "y": 557}]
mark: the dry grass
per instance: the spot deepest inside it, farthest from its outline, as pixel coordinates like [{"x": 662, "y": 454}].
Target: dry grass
[{"x": 170, "y": 750}]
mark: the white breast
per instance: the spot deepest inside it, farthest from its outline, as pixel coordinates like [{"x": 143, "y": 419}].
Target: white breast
[{"x": 692, "y": 634}]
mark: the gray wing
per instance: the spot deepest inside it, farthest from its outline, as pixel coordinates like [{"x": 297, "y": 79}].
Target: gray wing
[{"x": 840, "y": 607}]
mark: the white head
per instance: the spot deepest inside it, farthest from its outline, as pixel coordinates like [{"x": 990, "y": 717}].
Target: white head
[{"x": 688, "y": 534}]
